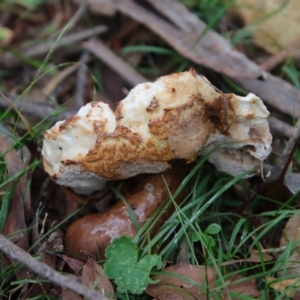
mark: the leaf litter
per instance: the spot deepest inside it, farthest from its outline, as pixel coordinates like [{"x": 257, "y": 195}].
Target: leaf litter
[
  {"x": 18, "y": 206},
  {"x": 93, "y": 276}
]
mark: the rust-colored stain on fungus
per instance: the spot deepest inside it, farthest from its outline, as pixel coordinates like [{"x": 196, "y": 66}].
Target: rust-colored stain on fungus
[{"x": 179, "y": 116}]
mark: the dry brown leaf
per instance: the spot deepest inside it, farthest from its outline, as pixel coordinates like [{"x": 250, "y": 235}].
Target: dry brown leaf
[
  {"x": 68, "y": 294},
  {"x": 291, "y": 233},
  {"x": 282, "y": 286},
  {"x": 280, "y": 26},
  {"x": 245, "y": 287},
  {"x": 186, "y": 282},
  {"x": 20, "y": 200},
  {"x": 75, "y": 264},
  {"x": 255, "y": 256},
  {"x": 93, "y": 276}
]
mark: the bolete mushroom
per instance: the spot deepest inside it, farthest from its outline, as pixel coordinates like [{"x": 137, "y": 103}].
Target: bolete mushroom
[{"x": 179, "y": 116}]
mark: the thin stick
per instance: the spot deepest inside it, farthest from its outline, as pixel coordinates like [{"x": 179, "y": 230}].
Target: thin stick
[
  {"x": 13, "y": 251},
  {"x": 52, "y": 85},
  {"x": 277, "y": 58},
  {"x": 31, "y": 107},
  {"x": 8, "y": 60},
  {"x": 114, "y": 62},
  {"x": 81, "y": 81},
  {"x": 281, "y": 127},
  {"x": 279, "y": 170},
  {"x": 74, "y": 19}
]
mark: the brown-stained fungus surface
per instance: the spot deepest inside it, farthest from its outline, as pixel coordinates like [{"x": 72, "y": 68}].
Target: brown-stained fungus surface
[{"x": 179, "y": 116}]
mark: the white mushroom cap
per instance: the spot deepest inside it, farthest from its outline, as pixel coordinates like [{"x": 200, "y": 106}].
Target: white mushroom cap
[{"x": 179, "y": 116}]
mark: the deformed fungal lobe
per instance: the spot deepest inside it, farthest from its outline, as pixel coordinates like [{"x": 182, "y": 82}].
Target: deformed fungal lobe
[{"x": 179, "y": 116}]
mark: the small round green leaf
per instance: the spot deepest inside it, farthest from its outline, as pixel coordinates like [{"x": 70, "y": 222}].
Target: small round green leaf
[
  {"x": 130, "y": 273},
  {"x": 213, "y": 229}
]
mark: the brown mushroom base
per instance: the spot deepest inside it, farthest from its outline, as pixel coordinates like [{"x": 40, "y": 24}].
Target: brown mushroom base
[{"x": 90, "y": 235}]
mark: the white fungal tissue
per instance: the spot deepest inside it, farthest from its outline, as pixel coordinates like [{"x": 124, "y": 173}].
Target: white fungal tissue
[{"x": 179, "y": 116}]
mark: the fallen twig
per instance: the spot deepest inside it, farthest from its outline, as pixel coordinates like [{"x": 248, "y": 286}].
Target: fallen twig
[
  {"x": 277, "y": 58},
  {"x": 114, "y": 62},
  {"x": 32, "y": 108},
  {"x": 13, "y": 251},
  {"x": 57, "y": 80},
  {"x": 275, "y": 92},
  {"x": 9, "y": 60},
  {"x": 202, "y": 51},
  {"x": 279, "y": 170},
  {"x": 281, "y": 127},
  {"x": 73, "y": 21},
  {"x": 81, "y": 81}
]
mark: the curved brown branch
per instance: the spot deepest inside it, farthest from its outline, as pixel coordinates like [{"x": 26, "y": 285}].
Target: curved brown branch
[{"x": 13, "y": 251}]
